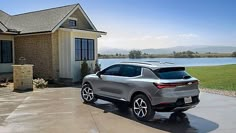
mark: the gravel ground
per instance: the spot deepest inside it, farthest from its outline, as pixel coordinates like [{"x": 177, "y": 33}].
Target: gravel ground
[{"x": 220, "y": 92}]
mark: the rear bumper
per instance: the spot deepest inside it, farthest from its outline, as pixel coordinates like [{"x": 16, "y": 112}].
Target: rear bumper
[
  {"x": 178, "y": 105},
  {"x": 171, "y": 96}
]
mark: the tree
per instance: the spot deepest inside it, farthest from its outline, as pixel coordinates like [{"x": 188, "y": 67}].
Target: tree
[
  {"x": 135, "y": 54},
  {"x": 174, "y": 53},
  {"x": 97, "y": 67},
  {"x": 184, "y": 54},
  {"x": 190, "y": 54},
  {"x": 234, "y": 54},
  {"x": 84, "y": 69}
]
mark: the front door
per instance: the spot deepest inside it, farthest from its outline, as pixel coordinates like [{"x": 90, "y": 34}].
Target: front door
[
  {"x": 116, "y": 81},
  {"x": 109, "y": 82}
]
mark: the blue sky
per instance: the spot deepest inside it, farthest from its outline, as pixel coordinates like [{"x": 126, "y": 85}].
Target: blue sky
[{"x": 139, "y": 24}]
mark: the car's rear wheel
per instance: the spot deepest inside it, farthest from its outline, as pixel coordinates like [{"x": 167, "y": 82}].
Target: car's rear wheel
[
  {"x": 142, "y": 108},
  {"x": 87, "y": 94}
]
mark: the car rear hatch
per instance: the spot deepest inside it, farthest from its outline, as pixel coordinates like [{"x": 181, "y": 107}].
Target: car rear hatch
[{"x": 175, "y": 81}]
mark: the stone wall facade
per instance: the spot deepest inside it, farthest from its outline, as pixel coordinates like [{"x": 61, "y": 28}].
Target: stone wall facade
[
  {"x": 41, "y": 50},
  {"x": 23, "y": 77}
]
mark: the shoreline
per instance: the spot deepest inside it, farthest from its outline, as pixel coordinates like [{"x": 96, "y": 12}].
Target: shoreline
[
  {"x": 124, "y": 56},
  {"x": 114, "y": 57},
  {"x": 219, "y": 92}
]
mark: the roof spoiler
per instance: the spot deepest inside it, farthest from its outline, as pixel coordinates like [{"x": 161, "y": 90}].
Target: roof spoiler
[
  {"x": 137, "y": 62},
  {"x": 161, "y": 62},
  {"x": 149, "y": 62}
]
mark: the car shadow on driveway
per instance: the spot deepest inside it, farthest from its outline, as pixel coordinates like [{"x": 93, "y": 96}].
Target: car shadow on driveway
[{"x": 170, "y": 122}]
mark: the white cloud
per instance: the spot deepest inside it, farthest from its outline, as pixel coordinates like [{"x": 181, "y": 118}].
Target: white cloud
[
  {"x": 188, "y": 36},
  {"x": 161, "y": 37},
  {"x": 148, "y": 37},
  {"x": 139, "y": 41}
]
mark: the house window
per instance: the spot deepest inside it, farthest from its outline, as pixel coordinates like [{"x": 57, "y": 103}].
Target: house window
[
  {"x": 84, "y": 49},
  {"x": 72, "y": 23},
  {"x": 6, "y": 51}
]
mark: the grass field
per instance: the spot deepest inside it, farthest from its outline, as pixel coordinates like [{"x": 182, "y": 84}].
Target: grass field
[{"x": 215, "y": 77}]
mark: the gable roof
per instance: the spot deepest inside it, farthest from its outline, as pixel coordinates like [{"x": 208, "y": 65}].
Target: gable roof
[
  {"x": 47, "y": 20},
  {"x": 4, "y": 17},
  {"x": 3, "y": 28}
]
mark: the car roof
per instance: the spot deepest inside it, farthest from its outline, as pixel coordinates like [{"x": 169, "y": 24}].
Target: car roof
[{"x": 151, "y": 64}]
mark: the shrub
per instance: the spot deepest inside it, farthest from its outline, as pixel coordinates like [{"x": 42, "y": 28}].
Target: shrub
[
  {"x": 184, "y": 54},
  {"x": 135, "y": 54},
  {"x": 234, "y": 54},
  {"x": 84, "y": 69},
  {"x": 40, "y": 83},
  {"x": 97, "y": 67}
]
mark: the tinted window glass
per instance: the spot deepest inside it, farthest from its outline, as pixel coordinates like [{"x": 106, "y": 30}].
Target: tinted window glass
[
  {"x": 72, "y": 23},
  {"x": 172, "y": 73},
  {"x": 91, "y": 49},
  {"x": 84, "y": 49},
  {"x": 113, "y": 70},
  {"x": 0, "y": 51},
  {"x": 6, "y": 51},
  {"x": 78, "y": 49},
  {"x": 130, "y": 71}
]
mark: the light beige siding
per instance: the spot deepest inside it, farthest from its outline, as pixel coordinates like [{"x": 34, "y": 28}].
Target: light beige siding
[
  {"x": 68, "y": 67},
  {"x": 65, "y": 54},
  {"x": 76, "y": 65}
]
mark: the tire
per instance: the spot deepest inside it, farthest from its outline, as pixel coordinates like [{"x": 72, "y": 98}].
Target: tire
[
  {"x": 142, "y": 108},
  {"x": 87, "y": 94}
]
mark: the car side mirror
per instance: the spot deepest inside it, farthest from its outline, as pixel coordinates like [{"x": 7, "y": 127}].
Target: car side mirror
[{"x": 99, "y": 74}]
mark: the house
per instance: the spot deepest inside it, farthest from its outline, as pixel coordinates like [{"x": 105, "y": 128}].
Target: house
[{"x": 55, "y": 41}]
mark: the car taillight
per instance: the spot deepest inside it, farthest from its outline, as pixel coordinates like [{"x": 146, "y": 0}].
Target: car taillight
[
  {"x": 195, "y": 82},
  {"x": 162, "y": 86},
  {"x": 172, "y": 85}
]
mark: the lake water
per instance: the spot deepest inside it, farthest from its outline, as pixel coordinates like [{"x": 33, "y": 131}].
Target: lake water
[{"x": 178, "y": 61}]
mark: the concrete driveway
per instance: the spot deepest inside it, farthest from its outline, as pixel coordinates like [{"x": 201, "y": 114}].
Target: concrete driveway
[{"x": 60, "y": 110}]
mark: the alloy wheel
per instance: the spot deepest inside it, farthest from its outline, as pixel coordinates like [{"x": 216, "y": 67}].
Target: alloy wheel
[
  {"x": 87, "y": 94},
  {"x": 140, "y": 107}
]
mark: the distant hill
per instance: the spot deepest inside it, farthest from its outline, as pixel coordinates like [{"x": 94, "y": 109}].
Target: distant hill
[
  {"x": 113, "y": 51},
  {"x": 216, "y": 49},
  {"x": 199, "y": 49}
]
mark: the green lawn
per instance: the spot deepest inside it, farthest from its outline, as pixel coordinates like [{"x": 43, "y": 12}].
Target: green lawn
[{"x": 215, "y": 77}]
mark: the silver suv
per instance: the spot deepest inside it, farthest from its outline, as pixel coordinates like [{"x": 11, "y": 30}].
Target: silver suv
[{"x": 146, "y": 87}]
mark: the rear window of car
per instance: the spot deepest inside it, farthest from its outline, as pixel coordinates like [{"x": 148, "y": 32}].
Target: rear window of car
[{"x": 172, "y": 73}]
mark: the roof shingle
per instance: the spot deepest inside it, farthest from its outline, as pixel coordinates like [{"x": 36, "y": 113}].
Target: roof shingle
[{"x": 38, "y": 21}]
